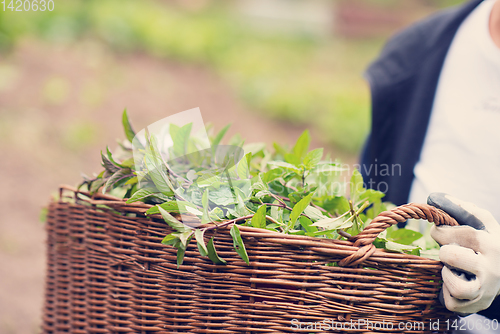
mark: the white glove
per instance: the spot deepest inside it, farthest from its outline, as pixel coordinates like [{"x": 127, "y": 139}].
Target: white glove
[{"x": 470, "y": 253}]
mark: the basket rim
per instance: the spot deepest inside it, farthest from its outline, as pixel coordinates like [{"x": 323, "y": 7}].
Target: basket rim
[{"x": 321, "y": 245}]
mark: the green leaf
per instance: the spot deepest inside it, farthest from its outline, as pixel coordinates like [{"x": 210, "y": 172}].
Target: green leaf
[
  {"x": 380, "y": 242},
  {"x": 336, "y": 204},
  {"x": 116, "y": 179},
  {"x": 172, "y": 222},
  {"x": 328, "y": 168},
  {"x": 204, "y": 199},
  {"x": 272, "y": 227},
  {"x": 241, "y": 208},
  {"x": 307, "y": 224},
  {"x": 293, "y": 159},
  {"x": 217, "y": 214},
  {"x": 191, "y": 175},
  {"x": 219, "y": 137},
  {"x": 357, "y": 185},
  {"x": 271, "y": 175},
  {"x": 198, "y": 234},
  {"x": 377, "y": 208},
  {"x": 279, "y": 149},
  {"x": 243, "y": 168},
  {"x": 299, "y": 208},
  {"x": 171, "y": 206},
  {"x": 43, "y": 215},
  {"x": 208, "y": 178},
  {"x": 180, "y": 255},
  {"x": 262, "y": 193},
  {"x": 204, "y": 202},
  {"x": 173, "y": 129},
  {"x": 371, "y": 195},
  {"x": 430, "y": 253},
  {"x": 285, "y": 165},
  {"x": 222, "y": 196},
  {"x": 334, "y": 223},
  {"x": 127, "y": 163},
  {"x": 132, "y": 180},
  {"x": 229, "y": 173},
  {"x": 302, "y": 144},
  {"x": 129, "y": 132},
  {"x": 138, "y": 195},
  {"x": 110, "y": 157},
  {"x": 236, "y": 140},
  {"x": 170, "y": 239},
  {"x": 258, "y": 184},
  {"x": 313, "y": 213},
  {"x": 212, "y": 253},
  {"x": 259, "y": 218},
  {"x": 278, "y": 188},
  {"x": 96, "y": 185},
  {"x": 239, "y": 246},
  {"x": 184, "y": 237},
  {"x": 333, "y": 234},
  {"x": 108, "y": 164},
  {"x": 396, "y": 247},
  {"x": 180, "y": 137},
  {"x": 277, "y": 212},
  {"x": 157, "y": 170},
  {"x": 313, "y": 158},
  {"x": 404, "y": 236},
  {"x": 254, "y": 148}
]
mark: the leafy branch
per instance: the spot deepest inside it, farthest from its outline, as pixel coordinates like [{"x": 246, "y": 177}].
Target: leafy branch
[{"x": 292, "y": 191}]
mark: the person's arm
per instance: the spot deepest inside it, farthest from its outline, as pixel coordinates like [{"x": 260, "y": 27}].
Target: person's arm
[{"x": 471, "y": 257}]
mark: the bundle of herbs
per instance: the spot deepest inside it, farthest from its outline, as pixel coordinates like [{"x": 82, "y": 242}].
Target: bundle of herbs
[{"x": 291, "y": 191}]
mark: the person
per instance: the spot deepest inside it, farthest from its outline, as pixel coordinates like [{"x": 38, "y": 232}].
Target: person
[{"x": 435, "y": 114}]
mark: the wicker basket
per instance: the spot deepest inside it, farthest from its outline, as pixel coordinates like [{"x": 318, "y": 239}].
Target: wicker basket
[{"x": 107, "y": 272}]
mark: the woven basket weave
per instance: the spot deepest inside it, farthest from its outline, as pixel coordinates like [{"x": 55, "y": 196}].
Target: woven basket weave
[{"x": 107, "y": 272}]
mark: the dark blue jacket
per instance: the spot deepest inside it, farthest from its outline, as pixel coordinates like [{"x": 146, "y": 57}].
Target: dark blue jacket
[{"x": 403, "y": 82}]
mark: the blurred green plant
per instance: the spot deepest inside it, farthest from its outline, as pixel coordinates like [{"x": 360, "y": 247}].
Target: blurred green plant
[
  {"x": 314, "y": 81},
  {"x": 56, "y": 90},
  {"x": 80, "y": 135}
]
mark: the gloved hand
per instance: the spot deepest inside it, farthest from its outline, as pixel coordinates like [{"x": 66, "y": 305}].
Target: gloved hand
[{"x": 470, "y": 254}]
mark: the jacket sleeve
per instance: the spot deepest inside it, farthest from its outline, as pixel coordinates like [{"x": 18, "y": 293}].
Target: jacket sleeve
[
  {"x": 492, "y": 312},
  {"x": 402, "y": 81}
]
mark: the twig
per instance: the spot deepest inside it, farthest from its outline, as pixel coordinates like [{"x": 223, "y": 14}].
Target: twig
[
  {"x": 276, "y": 197},
  {"x": 232, "y": 221},
  {"x": 344, "y": 234},
  {"x": 284, "y": 206}
]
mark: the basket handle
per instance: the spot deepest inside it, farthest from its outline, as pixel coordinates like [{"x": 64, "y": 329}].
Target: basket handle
[{"x": 400, "y": 214}]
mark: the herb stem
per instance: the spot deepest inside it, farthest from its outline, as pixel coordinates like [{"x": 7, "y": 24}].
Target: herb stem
[
  {"x": 355, "y": 214},
  {"x": 233, "y": 221},
  {"x": 284, "y": 206},
  {"x": 227, "y": 222},
  {"x": 344, "y": 234},
  {"x": 314, "y": 205},
  {"x": 276, "y": 197}
]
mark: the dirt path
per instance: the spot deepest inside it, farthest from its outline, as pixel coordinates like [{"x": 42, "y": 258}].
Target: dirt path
[{"x": 59, "y": 106}]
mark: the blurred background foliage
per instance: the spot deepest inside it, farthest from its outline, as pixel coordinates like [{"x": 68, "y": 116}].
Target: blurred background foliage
[
  {"x": 270, "y": 67},
  {"x": 299, "y": 75}
]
